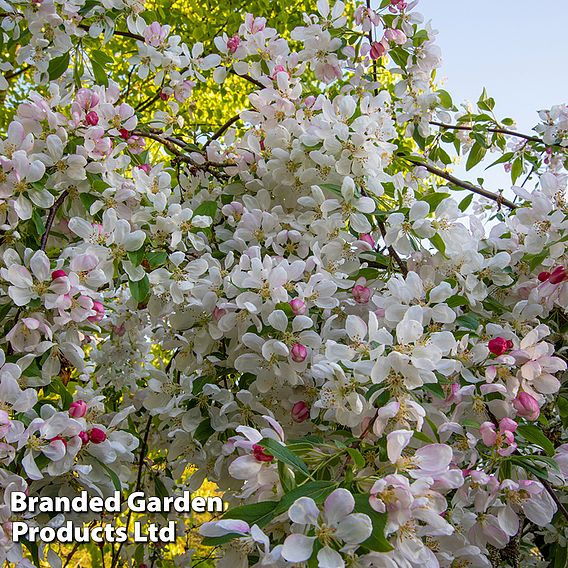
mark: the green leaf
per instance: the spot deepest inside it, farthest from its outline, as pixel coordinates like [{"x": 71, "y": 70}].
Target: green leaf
[
  {"x": 357, "y": 457},
  {"x": 137, "y": 256},
  {"x": 435, "y": 389},
  {"x": 465, "y": 202},
  {"x": 502, "y": 160},
  {"x": 99, "y": 73},
  {"x": 377, "y": 541},
  {"x": 468, "y": 321},
  {"x": 87, "y": 200},
  {"x": 207, "y": 208},
  {"x": 563, "y": 410},
  {"x": 476, "y": 154},
  {"x": 445, "y": 98},
  {"x": 38, "y": 222},
  {"x": 517, "y": 169},
  {"x": 535, "y": 436},
  {"x": 140, "y": 289},
  {"x": 439, "y": 243},
  {"x": 316, "y": 490},
  {"x": 434, "y": 199},
  {"x": 156, "y": 258},
  {"x": 559, "y": 555},
  {"x": 99, "y": 62},
  {"x": 203, "y": 431},
  {"x": 457, "y": 300},
  {"x": 58, "y": 66},
  {"x": 34, "y": 551},
  {"x": 254, "y": 514},
  {"x": 283, "y": 454},
  {"x": 113, "y": 477}
]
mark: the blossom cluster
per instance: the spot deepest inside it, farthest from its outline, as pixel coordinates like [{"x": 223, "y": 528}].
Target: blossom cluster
[{"x": 364, "y": 353}]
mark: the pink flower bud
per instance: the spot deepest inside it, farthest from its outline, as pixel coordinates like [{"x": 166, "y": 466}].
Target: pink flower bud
[
  {"x": 300, "y": 412},
  {"x": 233, "y": 43},
  {"x": 119, "y": 330},
  {"x": 146, "y": 168},
  {"x": 100, "y": 309},
  {"x": 278, "y": 69},
  {"x": 218, "y": 313},
  {"x": 378, "y": 49},
  {"x": 498, "y": 345},
  {"x": 54, "y": 439},
  {"x": 507, "y": 425},
  {"x": 298, "y": 307},
  {"x": 92, "y": 118},
  {"x": 84, "y": 437},
  {"x": 543, "y": 276},
  {"x": 558, "y": 275},
  {"x": 298, "y": 353},
  {"x": 309, "y": 101},
  {"x": 526, "y": 406},
  {"x": 78, "y": 409},
  {"x": 488, "y": 433},
  {"x": 58, "y": 274},
  {"x": 260, "y": 455},
  {"x": 123, "y": 133},
  {"x": 361, "y": 294},
  {"x": 164, "y": 96},
  {"x": 368, "y": 239},
  {"x": 97, "y": 436}
]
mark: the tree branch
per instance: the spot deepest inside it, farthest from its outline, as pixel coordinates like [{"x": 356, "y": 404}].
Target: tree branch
[
  {"x": 170, "y": 143},
  {"x": 391, "y": 250},
  {"x": 249, "y": 79},
  {"x": 143, "y": 449},
  {"x": 222, "y": 129},
  {"x": 51, "y": 217},
  {"x": 137, "y": 37},
  {"x": 505, "y": 131},
  {"x": 498, "y": 198}
]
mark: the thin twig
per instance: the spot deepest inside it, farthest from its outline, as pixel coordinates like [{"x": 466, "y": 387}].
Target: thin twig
[
  {"x": 137, "y": 37},
  {"x": 391, "y": 250},
  {"x": 249, "y": 79},
  {"x": 222, "y": 129},
  {"x": 498, "y": 198},
  {"x": 51, "y": 217},
  {"x": 143, "y": 449},
  {"x": 170, "y": 143},
  {"x": 505, "y": 131}
]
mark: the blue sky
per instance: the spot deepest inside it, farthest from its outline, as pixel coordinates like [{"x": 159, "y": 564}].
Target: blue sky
[{"x": 517, "y": 49}]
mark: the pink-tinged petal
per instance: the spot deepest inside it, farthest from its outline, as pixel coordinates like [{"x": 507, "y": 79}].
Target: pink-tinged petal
[
  {"x": 298, "y": 548},
  {"x": 338, "y": 505},
  {"x": 540, "y": 509},
  {"x": 488, "y": 433},
  {"x": 508, "y": 520},
  {"x": 20, "y": 296},
  {"x": 39, "y": 263},
  {"x": 55, "y": 450},
  {"x": 434, "y": 457},
  {"x": 396, "y": 442},
  {"x": 304, "y": 511},
  {"x": 223, "y": 527},
  {"x": 20, "y": 276},
  {"x": 30, "y": 467},
  {"x": 329, "y": 558},
  {"x": 547, "y": 384},
  {"x": 355, "y": 528},
  {"x": 244, "y": 467},
  {"x": 275, "y": 425}
]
